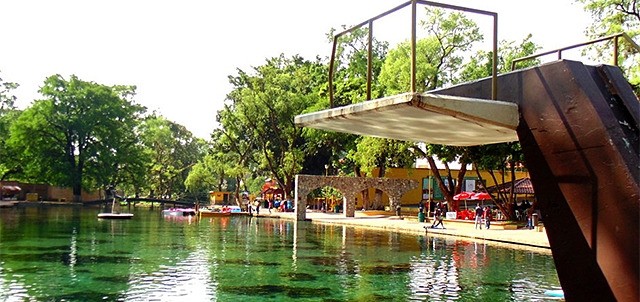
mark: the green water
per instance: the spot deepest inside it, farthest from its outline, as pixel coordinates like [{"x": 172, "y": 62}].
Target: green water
[{"x": 67, "y": 254}]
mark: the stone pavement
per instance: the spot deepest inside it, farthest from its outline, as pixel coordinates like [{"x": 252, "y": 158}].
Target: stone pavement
[{"x": 522, "y": 237}]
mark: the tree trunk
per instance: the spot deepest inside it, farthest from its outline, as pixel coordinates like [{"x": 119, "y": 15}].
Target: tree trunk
[{"x": 445, "y": 191}]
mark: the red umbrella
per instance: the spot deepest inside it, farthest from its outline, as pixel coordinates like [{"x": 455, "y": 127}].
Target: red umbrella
[
  {"x": 463, "y": 196},
  {"x": 481, "y": 196}
]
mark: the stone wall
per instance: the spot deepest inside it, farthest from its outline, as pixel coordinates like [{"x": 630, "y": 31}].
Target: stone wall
[{"x": 350, "y": 187}]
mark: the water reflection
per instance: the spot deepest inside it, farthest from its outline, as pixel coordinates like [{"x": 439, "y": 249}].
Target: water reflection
[{"x": 70, "y": 255}]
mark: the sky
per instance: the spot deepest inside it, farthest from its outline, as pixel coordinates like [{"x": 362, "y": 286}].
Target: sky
[{"x": 180, "y": 53}]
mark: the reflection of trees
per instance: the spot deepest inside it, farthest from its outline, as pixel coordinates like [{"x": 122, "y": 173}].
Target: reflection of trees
[{"x": 213, "y": 258}]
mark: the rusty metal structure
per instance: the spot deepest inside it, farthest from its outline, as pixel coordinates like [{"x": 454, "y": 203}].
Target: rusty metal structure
[
  {"x": 579, "y": 130},
  {"x": 414, "y": 5}
]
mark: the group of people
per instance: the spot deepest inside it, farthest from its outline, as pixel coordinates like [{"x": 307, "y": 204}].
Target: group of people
[
  {"x": 277, "y": 205},
  {"x": 483, "y": 215}
]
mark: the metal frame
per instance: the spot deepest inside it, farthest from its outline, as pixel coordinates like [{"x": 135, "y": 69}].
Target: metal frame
[
  {"x": 559, "y": 51},
  {"x": 413, "y": 3}
]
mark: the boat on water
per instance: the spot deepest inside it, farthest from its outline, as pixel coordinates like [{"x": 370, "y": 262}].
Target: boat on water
[
  {"x": 115, "y": 215},
  {"x": 219, "y": 211},
  {"x": 179, "y": 212},
  {"x": 212, "y": 213}
]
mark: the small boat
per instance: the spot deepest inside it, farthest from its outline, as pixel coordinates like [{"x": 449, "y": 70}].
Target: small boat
[
  {"x": 115, "y": 215},
  {"x": 179, "y": 212},
  {"x": 212, "y": 213},
  {"x": 557, "y": 293}
]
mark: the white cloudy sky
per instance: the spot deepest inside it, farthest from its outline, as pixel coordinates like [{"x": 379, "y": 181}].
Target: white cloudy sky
[{"x": 179, "y": 53}]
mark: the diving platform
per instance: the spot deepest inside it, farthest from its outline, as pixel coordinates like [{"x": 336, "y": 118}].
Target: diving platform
[
  {"x": 578, "y": 126},
  {"x": 426, "y": 117}
]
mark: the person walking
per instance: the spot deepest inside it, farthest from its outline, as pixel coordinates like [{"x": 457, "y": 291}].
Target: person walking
[
  {"x": 478, "y": 221},
  {"x": 487, "y": 217},
  {"x": 435, "y": 217},
  {"x": 438, "y": 219}
]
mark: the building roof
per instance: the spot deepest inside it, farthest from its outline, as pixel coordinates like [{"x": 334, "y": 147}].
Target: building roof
[{"x": 521, "y": 186}]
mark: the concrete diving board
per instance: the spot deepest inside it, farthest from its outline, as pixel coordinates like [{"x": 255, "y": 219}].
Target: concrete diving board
[{"x": 429, "y": 118}]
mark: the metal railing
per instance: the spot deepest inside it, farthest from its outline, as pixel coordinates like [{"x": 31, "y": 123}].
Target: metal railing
[
  {"x": 559, "y": 51},
  {"x": 413, "y": 3}
]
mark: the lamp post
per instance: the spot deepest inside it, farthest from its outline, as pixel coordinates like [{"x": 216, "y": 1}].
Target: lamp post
[{"x": 326, "y": 170}]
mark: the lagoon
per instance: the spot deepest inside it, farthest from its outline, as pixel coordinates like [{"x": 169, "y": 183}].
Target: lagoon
[{"x": 67, "y": 254}]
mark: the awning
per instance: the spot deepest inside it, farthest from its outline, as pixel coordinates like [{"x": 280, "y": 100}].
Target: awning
[{"x": 521, "y": 186}]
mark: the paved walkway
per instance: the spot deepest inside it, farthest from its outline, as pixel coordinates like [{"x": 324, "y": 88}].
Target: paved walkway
[{"x": 523, "y": 237}]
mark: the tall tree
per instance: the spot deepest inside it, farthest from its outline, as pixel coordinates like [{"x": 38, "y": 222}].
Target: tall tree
[
  {"x": 173, "y": 151},
  {"x": 439, "y": 56},
  {"x": 76, "y": 130},
  {"x": 234, "y": 146},
  {"x": 8, "y": 112},
  {"x": 496, "y": 157},
  {"x": 265, "y": 104}
]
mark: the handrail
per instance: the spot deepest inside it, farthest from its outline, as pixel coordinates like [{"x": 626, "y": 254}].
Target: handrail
[
  {"x": 613, "y": 37},
  {"x": 369, "y": 22}
]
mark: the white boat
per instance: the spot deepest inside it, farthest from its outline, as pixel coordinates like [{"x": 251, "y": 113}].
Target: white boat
[
  {"x": 115, "y": 215},
  {"x": 179, "y": 212}
]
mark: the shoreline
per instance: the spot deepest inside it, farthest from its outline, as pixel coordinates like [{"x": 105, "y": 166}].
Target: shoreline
[
  {"x": 514, "y": 238},
  {"x": 523, "y": 238}
]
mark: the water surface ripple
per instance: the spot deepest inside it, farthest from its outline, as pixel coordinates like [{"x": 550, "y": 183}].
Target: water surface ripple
[{"x": 67, "y": 254}]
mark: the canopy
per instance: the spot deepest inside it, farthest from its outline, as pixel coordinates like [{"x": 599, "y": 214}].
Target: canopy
[
  {"x": 11, "y": 189},
  {"x": 481, "y": 196},
  {"x": 463, "y": 196},
  {"x": 521, "y": 186}
]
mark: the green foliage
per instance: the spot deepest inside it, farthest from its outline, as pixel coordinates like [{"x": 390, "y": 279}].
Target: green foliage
[
  {"x": 8, "y": 113},
  {"x": 351, "y": 67},
  {"x": 76, "y": 135},
  {"x": 172, "y": 150},
  {"x": 481, "y": 63},
  {"x": 612, "y": 17},
  {"x": 438, "y": 56},
  {"x": 382, "y": 153},
  {"x": 261, "y": 110}
]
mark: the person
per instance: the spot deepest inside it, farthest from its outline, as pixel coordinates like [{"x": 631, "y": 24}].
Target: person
[
  {"x": 247, "y": 203},
  {"x": 478, "y": 218},
  {"x": 487, "y": 217},
  {"x": 529, "y": 212},
  {"x": 420, "y": 207},
  {"x": 257, "y": 203},
  {"x": 438, "y": 219}
]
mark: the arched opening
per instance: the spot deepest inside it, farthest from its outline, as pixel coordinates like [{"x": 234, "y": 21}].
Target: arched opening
[
  {"x": 372, "y": 198},
  {"x": 325, "y": 199}
]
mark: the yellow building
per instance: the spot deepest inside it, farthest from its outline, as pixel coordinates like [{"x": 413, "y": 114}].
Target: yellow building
[
  {"x": 218, "y": 197},
  {"x": 429, "y": 185}
]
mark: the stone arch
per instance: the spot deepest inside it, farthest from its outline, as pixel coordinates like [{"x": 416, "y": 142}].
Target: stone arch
[
  {"x": 310, "y": 189},
  {"x": 350, "y": 187}
]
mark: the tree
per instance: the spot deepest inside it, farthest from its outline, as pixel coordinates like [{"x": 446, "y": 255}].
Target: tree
[
  {"x": 234, "y": 146},
  {"x": 173, "y": 150},
  {"x": 8, "y": 112},
  {"x": 495, "y": 157},
  {"x": 438, "y": 58},
  {"x": 351, "y": 61},
  {"x": 265, "y": 104},
  {"x": 372, "y": 152},
  {"x": 612, "y": 17},
  {"x": 498, "y": 159},
  {"x": 70, "y": 137}
]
